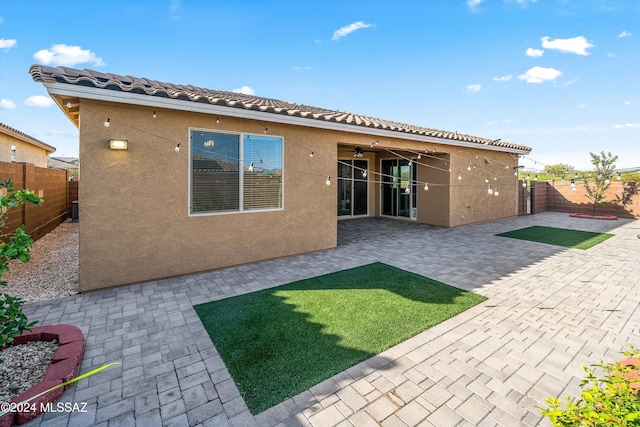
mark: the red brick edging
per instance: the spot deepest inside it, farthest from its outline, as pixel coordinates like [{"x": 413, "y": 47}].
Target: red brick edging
[
  {"x": 633, "y": 374},
  {"x": 587, "y": 216},
  {"x": 64, "y": 366}
]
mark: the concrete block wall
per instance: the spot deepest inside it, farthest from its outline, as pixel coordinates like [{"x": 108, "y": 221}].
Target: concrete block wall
[
  {"x": 50, "y": 184},
  {"x": 558, "y": 196}
]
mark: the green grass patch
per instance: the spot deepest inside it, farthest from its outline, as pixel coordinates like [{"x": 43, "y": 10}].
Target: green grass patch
[
  {"x": 558, "y": 236},
  {"x": 281, "y": 341}
]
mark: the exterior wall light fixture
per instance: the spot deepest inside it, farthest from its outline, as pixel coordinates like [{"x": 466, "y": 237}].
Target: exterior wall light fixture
[{"x": 118, "y": 144}]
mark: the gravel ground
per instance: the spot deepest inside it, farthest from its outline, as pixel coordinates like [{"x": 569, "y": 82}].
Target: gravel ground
[
  {"x": 24, "y": 366},
  {"x": 53, "y": 269}
]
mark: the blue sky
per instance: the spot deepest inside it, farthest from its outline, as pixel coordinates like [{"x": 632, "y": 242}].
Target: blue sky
[{"x": 560, "y": 76}]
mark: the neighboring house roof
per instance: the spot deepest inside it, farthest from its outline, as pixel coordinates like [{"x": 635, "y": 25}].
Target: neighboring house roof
[
  {"x": 143, "y": 86},
  {"x": 205, "y": 164},
  {"x": 8, "y": 130},
  {"x": 72, "y": 160},
  {"x": 59, "y": 163}
]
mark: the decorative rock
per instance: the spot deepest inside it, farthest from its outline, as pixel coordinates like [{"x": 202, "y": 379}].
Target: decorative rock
[
  {"x": 24, "y": 366},
  {"x": 58, "y": 371},
  {"x": 56, "y": 254}
]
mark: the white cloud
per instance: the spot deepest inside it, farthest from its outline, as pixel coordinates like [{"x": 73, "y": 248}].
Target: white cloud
[
  {"x": 570, "y": 82},
  {"x": 308, "y": 67},
  {"x": 611, "y": 55},
  {"x": 247, "y": 90},
  {"x": 344, "y": 31},
  {"x": 8, "y": 43},
  {"x": 535, "y": 53},
  {"x": 627, "y": 102},
  {"x": 582, "y": 106},
  {"x": 627, "y": 126},
  {"x": 6, "y": 104},
  {"x": 502, "y": 78},
  {"x": 577, "y": 45},
  {"x": 68, "y": 56},
  {"x": 492, "y": 123},
  {"x": 473, "y": 4},
  {"x": 521, "y": 1},
  {"x": 474, "y": 88},
  {"x": 625, "y": 34},
  {"x": 540, "y": 74},
  {"x": 38, "y": 101}
]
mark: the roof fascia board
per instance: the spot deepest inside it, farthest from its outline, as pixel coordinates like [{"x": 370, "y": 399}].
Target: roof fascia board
[{"x": 107, "y": 95}]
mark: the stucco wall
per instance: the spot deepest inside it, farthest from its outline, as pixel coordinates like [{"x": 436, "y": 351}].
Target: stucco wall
[
  {"x": 470, "y": 201},
  {"x": 25, "y": 153},
  {"x": 134, "y": 204},
  {"x": 434, "y": 204}
]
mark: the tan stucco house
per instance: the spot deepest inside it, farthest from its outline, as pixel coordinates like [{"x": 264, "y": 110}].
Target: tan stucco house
[
  {"x": 18, "y": 147},
  {"x": 180, "y": 179}
]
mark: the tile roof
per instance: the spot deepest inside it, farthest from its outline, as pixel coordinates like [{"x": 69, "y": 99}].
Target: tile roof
[
  {"x": 57, "y": 163},
  {"x": 71, "y": 160},
  {"x": 144, "y": 86},
  {"x": 8, "y": 130}
]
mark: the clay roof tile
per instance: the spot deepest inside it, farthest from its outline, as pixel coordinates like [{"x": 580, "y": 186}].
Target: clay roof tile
[{"x": 45, "y": 74}]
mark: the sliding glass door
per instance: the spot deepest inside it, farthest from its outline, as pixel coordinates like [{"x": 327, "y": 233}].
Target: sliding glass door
[
  {"x": 398, "y": 188},
  {"x": 353, "y": 188}
]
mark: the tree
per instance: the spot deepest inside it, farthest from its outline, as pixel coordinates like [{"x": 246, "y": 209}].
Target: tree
[
  {"x": 605, "y": 165},
  {"x": 560, "y": 169},
  {"x": 629, "y": 190},
  {"x": 17, "y": 246}
]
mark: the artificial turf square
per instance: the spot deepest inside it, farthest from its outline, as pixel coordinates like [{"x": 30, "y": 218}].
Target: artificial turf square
[
  {"x": 576, "y": 239},
  {"x": 281, "y": 341}
]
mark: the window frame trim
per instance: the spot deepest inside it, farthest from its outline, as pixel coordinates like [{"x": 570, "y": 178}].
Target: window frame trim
[{"x": 241, "y": 209}]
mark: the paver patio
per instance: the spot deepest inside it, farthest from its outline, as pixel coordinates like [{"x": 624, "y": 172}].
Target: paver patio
[{"x": 550, "y": 309}]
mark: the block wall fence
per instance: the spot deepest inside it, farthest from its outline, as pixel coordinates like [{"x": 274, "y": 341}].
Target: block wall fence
[
  {"x": 50, "y": 184},
  {"x": 557, "y": 196}
]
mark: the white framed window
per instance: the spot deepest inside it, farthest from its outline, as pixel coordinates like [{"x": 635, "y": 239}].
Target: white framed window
[
  {"x": 234, "y": 172},
  {"x": 13, "y": 153}
]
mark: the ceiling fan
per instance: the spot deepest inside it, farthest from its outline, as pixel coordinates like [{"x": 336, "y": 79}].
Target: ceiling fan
[{"x": 357, "y": 151}]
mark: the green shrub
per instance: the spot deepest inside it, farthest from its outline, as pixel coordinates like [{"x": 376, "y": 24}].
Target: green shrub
[
  {"x": 613, "y": 400},
  {"x": 13, "y": 322}
]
